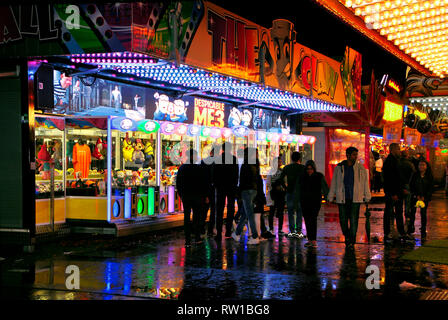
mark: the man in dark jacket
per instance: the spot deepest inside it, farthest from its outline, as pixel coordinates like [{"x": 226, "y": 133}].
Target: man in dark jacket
[
  {"x": 225, "y": 180},
  {"x": 394, "y": 190},
  {"x": 293, "y": 173},
  {"x": 193, "y": 187}
]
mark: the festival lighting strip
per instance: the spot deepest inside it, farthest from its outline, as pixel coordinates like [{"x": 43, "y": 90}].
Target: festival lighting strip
[
  {"x": 201, "y": 81},
  {"x": 438, "y": 103},
  {"x": 418, "y": 27}
]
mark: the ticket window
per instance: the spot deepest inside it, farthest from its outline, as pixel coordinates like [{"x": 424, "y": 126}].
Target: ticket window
[
  {"x": 50, "y": 189},
  {"x": 86, "y": 162}
]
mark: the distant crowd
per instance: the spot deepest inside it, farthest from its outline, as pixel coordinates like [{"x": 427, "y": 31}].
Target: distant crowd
[{"x": 209, "y": 185}]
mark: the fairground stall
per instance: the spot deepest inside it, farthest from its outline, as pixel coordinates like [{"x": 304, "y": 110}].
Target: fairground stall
[{"x": 117, "y": 92}]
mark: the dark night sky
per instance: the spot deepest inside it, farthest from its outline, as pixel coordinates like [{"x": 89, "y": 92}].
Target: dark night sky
[{"x": 321, "y": 31}]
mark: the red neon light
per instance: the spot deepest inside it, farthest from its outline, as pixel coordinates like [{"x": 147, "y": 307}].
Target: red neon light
[{"x": 392, "y": 84}]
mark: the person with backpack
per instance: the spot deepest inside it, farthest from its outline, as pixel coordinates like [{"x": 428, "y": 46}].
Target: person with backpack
[{"x": 277, "y": 193}]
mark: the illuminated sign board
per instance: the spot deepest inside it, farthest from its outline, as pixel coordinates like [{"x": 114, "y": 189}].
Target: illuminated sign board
[
  {"x": 392, "y": 111},
  {"x": 393, "y": 85},
  {"x": 208, "y": 113}
]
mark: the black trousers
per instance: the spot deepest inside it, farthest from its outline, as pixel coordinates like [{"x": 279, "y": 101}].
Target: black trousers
[
  {"x": 196, "y": 205},
  {"x": 221, "y": 196},
  {"x": 212, "y": 207},
  {"x": 423, "y": 217},
  {"x": 310, "y": 211},
  {"x": 278, "y": 209},
  {"x": 393, "y": 209}
]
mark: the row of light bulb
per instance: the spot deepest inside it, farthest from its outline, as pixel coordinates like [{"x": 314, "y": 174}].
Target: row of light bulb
[{"x": 422, "y": 33}]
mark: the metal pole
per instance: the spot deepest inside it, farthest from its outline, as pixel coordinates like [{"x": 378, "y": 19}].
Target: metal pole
[{"x": 52, "y": 196}]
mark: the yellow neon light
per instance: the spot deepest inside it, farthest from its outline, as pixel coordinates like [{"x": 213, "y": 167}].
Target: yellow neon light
[{"x": 392, "y": 111}]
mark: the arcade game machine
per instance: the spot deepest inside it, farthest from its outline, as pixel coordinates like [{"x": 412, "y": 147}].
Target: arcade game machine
[
  {"x": 86, "y": 173},
  {"x": 50, "y": 186},
  {"x": 134, "y": 165},
  {"x": 176, "y": 139}
]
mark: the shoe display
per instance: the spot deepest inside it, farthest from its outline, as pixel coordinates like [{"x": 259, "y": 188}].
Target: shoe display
[
  {"x": 235, "y": 237},
  {"x": 253, "y": 241},
  {"x": 291, "y": 235}
]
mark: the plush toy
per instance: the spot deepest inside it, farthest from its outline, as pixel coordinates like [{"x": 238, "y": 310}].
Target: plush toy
[
  {"x": 100, "y": 149},
  {"x": 138, "y": 156},
  {"x": 128, "y": 149},
  {"x": 144, "y": 176},
  {"x": 44, "y": 158},
  {"x": 120, "y": 177},
  {"x": 128, "y": 177},
  {"x": 136, "y": 180},
  {"x": 149, "y": 150}
]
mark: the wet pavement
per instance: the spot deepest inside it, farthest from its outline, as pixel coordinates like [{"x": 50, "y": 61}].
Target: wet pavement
[{"x": 158, "y": 266}]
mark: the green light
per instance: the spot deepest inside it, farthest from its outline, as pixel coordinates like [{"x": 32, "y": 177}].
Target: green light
[
  {"x": 148, "y": 126},
  {"x": 151, "y": 201},
  {"x": 140, "y": 206},
  {"x": 444, "y": 151}
]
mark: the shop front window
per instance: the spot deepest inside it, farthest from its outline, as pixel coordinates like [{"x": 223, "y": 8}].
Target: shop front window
[{"x": 49, "y": 157}]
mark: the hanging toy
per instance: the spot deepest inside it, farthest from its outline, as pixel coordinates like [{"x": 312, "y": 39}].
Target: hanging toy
[
  {"x": 420, "y": 204},
  {"x": 44, "y": 158},
  {"x": 100, "y": 150},
  {"x": 128, "y": 149},
  {"x": 138, "y": 156}
]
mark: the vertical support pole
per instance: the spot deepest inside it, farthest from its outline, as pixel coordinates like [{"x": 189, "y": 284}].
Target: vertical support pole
[{"x": 109, "y": 169}]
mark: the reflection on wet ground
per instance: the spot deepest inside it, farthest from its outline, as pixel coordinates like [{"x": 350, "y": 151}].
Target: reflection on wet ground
[{"x": 159, "y": 266}]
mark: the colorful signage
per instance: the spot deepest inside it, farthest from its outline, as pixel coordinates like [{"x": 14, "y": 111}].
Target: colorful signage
[
  {"x": 197, "y": 33},
  {"x": 209, "y": 113}
]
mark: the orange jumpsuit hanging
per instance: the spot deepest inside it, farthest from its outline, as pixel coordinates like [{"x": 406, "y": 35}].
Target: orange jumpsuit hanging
[{"x": 81, "y": 159}]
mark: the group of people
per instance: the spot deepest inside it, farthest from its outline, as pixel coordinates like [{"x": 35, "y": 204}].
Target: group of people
[{"x": 223, "y": 179}]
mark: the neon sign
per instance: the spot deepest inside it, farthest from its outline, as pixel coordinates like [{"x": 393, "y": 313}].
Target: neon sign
[
  {"x": 393, "y": 85},
  {"x": 208, "y": 113}
]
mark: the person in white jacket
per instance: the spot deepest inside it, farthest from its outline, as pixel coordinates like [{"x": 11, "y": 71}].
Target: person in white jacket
[{"x": 349, "y": 188}]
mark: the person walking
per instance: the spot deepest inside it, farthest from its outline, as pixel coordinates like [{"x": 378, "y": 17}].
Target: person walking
[
  {"x": 193, "y": 199},
  {"x": 421, "y": 186},
  {"x": 349, "y": 188},
  {"x": 260, "y": 201},
  {"x": 208, "y": 164},
  {"x": 406, "y": 170},
  {"x": 293, "y": 173},
  {"x": 378, "y": 175},
  {"x": 248, "y": 191},
  {"x": 225, "y": 180},
  {"x": 277, "y": 193},
  {"x": 313, "y": 187},
  {"x": 394, "y": 189}
]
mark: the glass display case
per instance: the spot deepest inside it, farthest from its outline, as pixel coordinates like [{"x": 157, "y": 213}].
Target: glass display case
[{"x": 49, "y": 179}]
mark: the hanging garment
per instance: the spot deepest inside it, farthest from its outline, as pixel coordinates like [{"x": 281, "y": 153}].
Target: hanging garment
[{"x": 82, "y": 159}]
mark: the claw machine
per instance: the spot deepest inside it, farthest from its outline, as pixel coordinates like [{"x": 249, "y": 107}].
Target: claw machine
[{"x": 50, "y": 179}]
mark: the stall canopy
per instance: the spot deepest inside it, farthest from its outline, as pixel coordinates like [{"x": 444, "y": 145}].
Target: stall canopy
[{"x": 213, "y": 48}]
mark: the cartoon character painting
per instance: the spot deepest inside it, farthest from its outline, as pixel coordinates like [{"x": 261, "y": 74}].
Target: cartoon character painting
[
  {"x": 180, "y": 111},
  {"x": 283, "y": 36},
  {"x": 246, "y": 118},
  {"x": 162, "y": 104},
  {"x": 170, "y": 111},
  {"x": 234, "y": 117}
]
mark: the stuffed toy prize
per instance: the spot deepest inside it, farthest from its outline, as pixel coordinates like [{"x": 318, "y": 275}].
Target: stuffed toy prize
[{"x": 420, "y": 204}]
